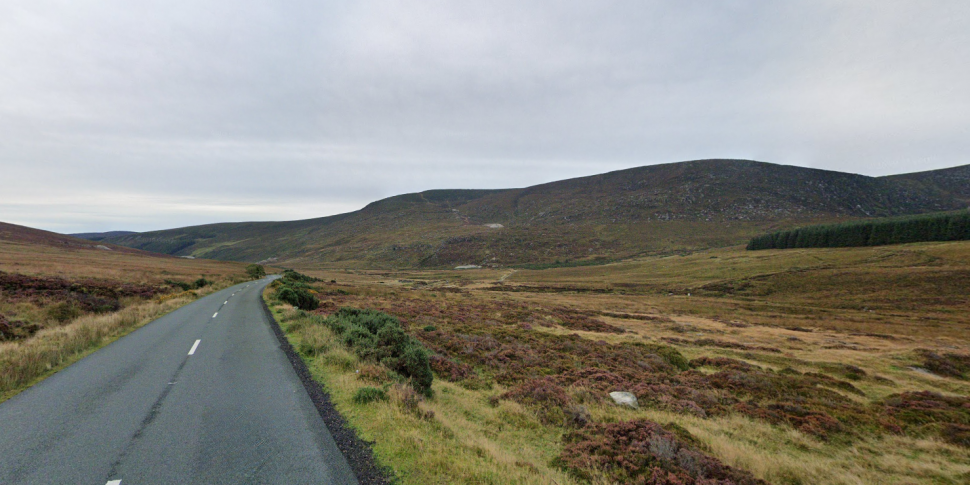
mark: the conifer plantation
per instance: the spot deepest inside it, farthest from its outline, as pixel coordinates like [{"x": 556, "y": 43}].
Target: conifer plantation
[{"x": 946, "y": 226}]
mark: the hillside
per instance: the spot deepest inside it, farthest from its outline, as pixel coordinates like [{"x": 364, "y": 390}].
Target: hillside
[
  {"x": 955, "y": 181},
  {"x": 97, "y": 236},
  {"x": 647, "y": 210},
  {"x": 35, "y": 252},
  {"x": 31, "y": 236}
]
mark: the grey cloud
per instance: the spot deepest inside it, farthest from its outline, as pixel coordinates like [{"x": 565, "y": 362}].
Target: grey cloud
[{"x": 277, "y": 110}]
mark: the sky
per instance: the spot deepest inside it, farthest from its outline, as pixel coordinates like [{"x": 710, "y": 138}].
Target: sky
[{"x": 120, "y": 115}]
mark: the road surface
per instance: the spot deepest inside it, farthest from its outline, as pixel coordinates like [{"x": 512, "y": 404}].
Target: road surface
[{"x": 202, "y": 395}]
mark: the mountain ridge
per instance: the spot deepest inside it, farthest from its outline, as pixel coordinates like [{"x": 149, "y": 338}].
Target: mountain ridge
[
  {"x": 644, "y": 210},
  {"x": 15, "y": 233},
  {"x": 98, "y": 236}
]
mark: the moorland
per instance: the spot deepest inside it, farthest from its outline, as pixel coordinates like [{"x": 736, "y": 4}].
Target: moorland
[
  {"x": 799, "y": 366},
  {"x": 788, "y": 366},
  {"x": 62, "y": 297}
]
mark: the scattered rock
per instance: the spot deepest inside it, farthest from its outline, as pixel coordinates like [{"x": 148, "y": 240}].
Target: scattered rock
[
  {"x": 468, "y": 266},
  {"x": 625, "y": 399}
]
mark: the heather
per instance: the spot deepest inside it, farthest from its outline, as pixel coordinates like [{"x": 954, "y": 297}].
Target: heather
[{"x": 559, "y": 362}]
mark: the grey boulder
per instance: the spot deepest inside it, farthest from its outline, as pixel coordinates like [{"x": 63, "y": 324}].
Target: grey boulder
[{"x": 625, "y": 399}]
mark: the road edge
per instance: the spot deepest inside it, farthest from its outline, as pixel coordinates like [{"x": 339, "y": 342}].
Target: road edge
[{"x": 358, "y": 452}]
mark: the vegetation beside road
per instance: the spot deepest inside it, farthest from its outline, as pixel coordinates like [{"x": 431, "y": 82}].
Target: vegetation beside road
[
  {"x": 255, "y": 271},
  {"x": 294, "y": 289},
  {"x": 60, "y": 301},
  {"x": 56, "y": 344},
  {"x": 767, "y": 371}
]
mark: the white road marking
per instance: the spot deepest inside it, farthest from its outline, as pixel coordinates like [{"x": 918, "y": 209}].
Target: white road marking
[
  {"x": 194, "y": 346},
  {"x": 214, "y": 314},
  {"x": 225, "y": 302},
  {"x": 113, "y": 482}
]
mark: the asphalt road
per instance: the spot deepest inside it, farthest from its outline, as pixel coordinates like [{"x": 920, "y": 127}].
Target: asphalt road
[{"x": 202, "y": 395}]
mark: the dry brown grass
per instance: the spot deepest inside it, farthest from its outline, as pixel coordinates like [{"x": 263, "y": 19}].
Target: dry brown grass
[
  {"x": 34, "y": 259},
  {"x": 60, "y": 343},
  {"x": 24, "y": 363}
]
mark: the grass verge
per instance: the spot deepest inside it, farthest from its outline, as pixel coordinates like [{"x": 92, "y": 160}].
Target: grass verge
[
  {"x": 457, "y": 436},
  {"x": 26, "y": 362}
]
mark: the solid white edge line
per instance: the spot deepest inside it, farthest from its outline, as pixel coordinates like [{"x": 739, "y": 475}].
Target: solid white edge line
[
  {"x": 194, "y": 346},
  {"x": 113, "y": 482}
]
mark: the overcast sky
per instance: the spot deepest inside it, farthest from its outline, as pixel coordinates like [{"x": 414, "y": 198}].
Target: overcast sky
[{"x": 158, "y": 114}]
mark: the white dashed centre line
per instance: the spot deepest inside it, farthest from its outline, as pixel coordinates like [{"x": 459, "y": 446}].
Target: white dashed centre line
[
  {"x": 113, "y": 482},
  {"x": 225, "y": 302},
  {"x": 194, "y": 346},
  {"x": 214, "y": 314}
]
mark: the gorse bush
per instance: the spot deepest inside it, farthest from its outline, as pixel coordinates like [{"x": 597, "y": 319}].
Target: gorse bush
[
  {"x": 255, "y": 271},
  {"x": 291, "y": 276},
  {"x": 377, "y": 336},
  {"x": 298, "y": 297},
  {"x": 947, "y": 226},
  {"x": 293, "y": 289}
]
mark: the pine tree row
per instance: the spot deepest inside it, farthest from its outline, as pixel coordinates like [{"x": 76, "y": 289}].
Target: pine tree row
[{"x": 944, "y": 226}]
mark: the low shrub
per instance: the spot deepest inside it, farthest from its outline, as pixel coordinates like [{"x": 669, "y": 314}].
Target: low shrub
[
  {"x": 63, "y": 312},
  {"x": 379, "y": 337},
  {"x": 576, "y": 320},
  {"x": 298, "y": 297},
  {"x": 724, "y": 344},
  {"x": 15, "y": 330},
  {"x": 549, "y": 400},
  {"x": 366, "y": 395},
  {"x": 179, "y": 284},
  {"x": 957, "y": 434},
  {"x": 95, "y": 304},
  {"x": 929, "y": 412},
  {"x": 290, "y": 276},
  {"x": 948, "y": 364},
  {"x": 644, "y": 452},
  {"x": 255, "y": 271},
  {"x": 450, "y": 370},
  {"x": 293, "y": 289},
  {"x": 374, "y": 373}
]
